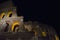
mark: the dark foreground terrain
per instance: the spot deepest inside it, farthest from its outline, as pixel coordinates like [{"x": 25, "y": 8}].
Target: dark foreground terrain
[{"x": 50, "y": 35}]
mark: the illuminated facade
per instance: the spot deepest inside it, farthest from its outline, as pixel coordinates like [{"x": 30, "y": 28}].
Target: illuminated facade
[{"x": 10, "y": 22}]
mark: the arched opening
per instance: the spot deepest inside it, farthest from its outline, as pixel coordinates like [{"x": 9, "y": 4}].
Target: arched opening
[
  {"x": 16, "y": 28},
  {"x": 10, "y": 14},
  {"x": 6, "y": 28},
  {"x": 2, "y": 15}
]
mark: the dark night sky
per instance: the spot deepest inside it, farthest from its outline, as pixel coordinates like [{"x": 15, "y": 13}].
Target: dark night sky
[{"x": 41, "y": 11}]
